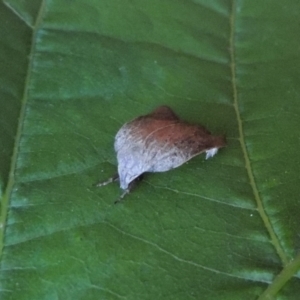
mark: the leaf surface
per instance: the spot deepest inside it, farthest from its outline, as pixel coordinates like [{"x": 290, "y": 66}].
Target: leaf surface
[{"x": 72, "y": 73}]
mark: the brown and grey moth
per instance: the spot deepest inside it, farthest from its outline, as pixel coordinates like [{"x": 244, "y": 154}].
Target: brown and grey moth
[{"x": 158, "y": 142}]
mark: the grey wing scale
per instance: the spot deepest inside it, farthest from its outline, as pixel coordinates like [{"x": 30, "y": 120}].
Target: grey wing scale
[
  {"x": 122, "y": 137},
  {"x": 131, "y": 162},
  {"x": 162, "y": 158}
]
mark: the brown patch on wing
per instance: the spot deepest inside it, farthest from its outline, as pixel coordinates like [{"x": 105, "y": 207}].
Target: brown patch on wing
[
  {"x": 163, "y": 113},
  {"x": 164, "y": 127}
]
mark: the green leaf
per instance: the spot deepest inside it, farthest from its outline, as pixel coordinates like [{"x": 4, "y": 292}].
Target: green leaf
[{"x": 72, "y": 72}]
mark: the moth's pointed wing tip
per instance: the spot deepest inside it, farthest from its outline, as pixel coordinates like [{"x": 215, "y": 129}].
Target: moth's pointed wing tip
[{"x": 164, "y": 112}]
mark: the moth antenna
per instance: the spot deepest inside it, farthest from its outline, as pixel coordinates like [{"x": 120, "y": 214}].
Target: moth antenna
[{"x": 109, "y": 180}]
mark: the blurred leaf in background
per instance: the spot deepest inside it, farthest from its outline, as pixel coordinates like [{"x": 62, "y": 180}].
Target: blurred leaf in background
[{"x": 72, "y": 72}]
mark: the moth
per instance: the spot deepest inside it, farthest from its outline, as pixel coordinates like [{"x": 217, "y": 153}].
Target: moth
[{"x": 158, "y": 142}]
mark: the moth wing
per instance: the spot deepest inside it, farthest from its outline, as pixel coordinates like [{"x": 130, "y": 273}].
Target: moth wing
[
  {"x": 175, "y": 144},
  {"x": 163, "y": 113},
  {"x": 123, "y": 136},
  {"x": 130, "y": 147},
  {"x": 141, "y": 123}
]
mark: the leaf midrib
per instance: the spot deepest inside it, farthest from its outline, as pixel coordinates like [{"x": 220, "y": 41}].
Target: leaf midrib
[
  {"x": 11, "y": 177},
  {"x": 290, "y": 266},
  {"x": 274, "y": 239}
]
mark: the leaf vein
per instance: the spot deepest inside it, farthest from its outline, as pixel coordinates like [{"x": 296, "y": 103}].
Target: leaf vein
[
  {"x": 14, "y": 160},
  {"x": 177, "y": 258},
  {"x": 248, "y": 166}
]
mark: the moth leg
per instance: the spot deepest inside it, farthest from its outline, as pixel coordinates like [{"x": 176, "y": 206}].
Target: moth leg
[
  {"x": 131, "y": 186},
  {"x": 120, "y": 199},
  {"x": 110, "y": 180}
]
